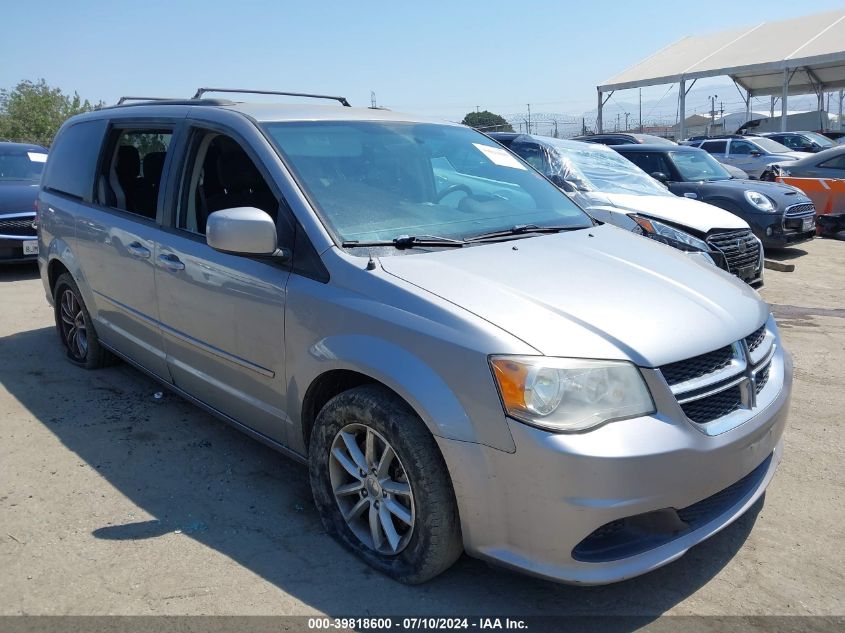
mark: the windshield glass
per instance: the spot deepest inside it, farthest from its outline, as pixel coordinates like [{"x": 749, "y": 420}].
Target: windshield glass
[
  {"x": 381, "y": 180},
  {"x": 592, "y": 167},
  {"x": 820, "y": 139},
  {"x": 21, "y": 164},
  {"x": 699, "y": 165},
  {"x": 771, "y": 146}
]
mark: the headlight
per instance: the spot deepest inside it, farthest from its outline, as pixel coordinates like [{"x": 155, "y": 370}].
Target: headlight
[
  {"x": 570, "y": 394},
  {"x": 759, "y": 201},
  {"x": 669, "y": 234}
]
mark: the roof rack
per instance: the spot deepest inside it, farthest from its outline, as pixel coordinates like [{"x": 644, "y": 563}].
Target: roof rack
[
  {"x": 201, "y": 91},
  {"x": 122, "y": 100}
]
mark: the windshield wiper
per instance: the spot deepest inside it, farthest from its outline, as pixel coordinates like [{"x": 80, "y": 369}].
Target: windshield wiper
[
  {"x": 521, "y": 229},
  {"x": 407, "y": 241}
]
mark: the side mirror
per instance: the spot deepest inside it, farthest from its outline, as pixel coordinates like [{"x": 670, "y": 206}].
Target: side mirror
[
  {"x": 241, "y": 231},
  {"x": 660, "y": 176}
]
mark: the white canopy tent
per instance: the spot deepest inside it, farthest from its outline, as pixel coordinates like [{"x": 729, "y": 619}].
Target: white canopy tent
[{"x": 798, "y": 56}]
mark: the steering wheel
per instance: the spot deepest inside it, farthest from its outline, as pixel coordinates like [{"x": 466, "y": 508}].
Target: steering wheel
[{"x": 452, "y": 189}]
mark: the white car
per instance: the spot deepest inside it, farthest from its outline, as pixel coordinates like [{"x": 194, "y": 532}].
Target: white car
[{"x": 614, "y": 190}]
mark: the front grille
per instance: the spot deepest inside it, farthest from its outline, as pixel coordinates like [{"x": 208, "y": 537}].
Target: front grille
[
  {"x": 17, "y": 226},
  {"x": 762, "y": 378},
  {"x": 698, "y": 366},
  {"x": 713, "y": 407},
  {"x": 754, "y": 339},
  {"x": 739, "y": 248},
  {"x": 800, "y": 209}
]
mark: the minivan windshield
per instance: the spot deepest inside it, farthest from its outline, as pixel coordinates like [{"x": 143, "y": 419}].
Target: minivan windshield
[
  {"x": 386, "y": 180},
  {"x": 21, "y": 164},
  {"x": 593, "y": 167}
]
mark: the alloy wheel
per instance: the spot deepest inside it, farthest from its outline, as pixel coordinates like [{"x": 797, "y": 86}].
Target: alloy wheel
[
  {"x": 372, "y": 489},
  {"x": 74, "y": 332}
]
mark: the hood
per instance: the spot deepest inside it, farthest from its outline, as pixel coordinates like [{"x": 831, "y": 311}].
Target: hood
[
  {"x": 17, "y": 196},
  {"x": 593, "y": 293},
  {"x": 782, "y": 195},
  {"x": 697, "y": 215}
]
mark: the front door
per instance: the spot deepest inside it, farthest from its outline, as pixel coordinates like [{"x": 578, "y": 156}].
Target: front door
[
  {"x": 223, "y": 315},
  {"x": 116, "y": 241}
]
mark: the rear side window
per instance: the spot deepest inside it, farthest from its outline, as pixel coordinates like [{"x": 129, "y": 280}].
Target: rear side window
[
  {"x": 715, "y": 147},
  {"x": 72, "y": 161},
  {"x": 130, "y": 177}
]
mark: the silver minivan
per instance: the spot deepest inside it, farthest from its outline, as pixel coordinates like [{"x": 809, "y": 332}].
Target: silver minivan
[{"x": 465, "y": 360}]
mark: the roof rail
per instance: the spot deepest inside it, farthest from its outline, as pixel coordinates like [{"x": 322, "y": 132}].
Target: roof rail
[
  {"x": 201, "y": 91},
  {"x": 122, "y": 100}
]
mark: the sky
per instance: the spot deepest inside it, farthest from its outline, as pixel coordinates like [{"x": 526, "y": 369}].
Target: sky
[{"x": 429, "y": 57}]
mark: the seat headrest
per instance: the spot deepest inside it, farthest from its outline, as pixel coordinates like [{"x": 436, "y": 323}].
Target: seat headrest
[
  {"x": 154, "y": 165},
  {"x": 128, "y": 162},
  {"x": 236, "y": 172}
]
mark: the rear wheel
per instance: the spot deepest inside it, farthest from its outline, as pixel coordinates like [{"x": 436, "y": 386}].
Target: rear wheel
[
  {"x": 381, "y": 485},
  {"x": 75, "y": 327}
]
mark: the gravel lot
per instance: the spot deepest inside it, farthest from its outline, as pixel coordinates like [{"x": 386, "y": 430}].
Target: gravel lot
[{"x": 115, "y": 502}]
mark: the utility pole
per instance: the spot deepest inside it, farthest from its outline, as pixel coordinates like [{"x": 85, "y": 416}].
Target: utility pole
[
  {"x": 617, "y": 122},
  {"x": 641, "y": 110},
  {"x": 626, "y": 120},
  {"x": 477, "y": 109},
  {"x": 373, "y": 100},
  {"x": 529, "y": 118},
  {"x": 713, "y": 108}
]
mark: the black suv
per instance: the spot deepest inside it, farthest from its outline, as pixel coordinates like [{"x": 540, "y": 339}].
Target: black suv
[{"x": 778, "y": 214}]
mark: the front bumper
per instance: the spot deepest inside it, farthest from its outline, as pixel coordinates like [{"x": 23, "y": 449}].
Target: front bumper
[
  {"x": 776, "y": 231},
  {"x": 11, "y": 249},
  {"x": 530, "y": 509}
]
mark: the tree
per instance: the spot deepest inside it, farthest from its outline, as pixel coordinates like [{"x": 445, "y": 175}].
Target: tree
[
  {"x": 33, "y": 111},
  {"x": 487, "y": 121}
]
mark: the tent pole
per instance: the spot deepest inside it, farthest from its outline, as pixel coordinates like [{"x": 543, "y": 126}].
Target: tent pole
[
  {"x": 840, "y": 109},
  {"x": 783, "y": 98},
  {"x": 598, "y": 118},
  {"x": 682, "y": 107}
]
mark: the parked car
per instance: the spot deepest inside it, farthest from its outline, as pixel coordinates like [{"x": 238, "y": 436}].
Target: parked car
[
  {"x": 613, "y": 189},
  {"x": 811, "y": 142},
  {"x": 778, "y": 214},
  {"x": 623, "y": 138},
  {"x": 463, "y": 357},
  {"x": 20, "y": 169},
  {"x": 752, "y": 154},
  {"x": 827, "y": 164}
]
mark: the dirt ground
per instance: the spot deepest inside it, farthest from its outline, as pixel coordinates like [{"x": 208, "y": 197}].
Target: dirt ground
[{"x": 115, "y": 502}]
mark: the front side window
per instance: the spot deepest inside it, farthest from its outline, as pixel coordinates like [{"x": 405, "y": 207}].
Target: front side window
[
  {"x": 130, "y": 178},
  {"x": 382, "y": 180},
  {"x": 221, "y": 176},
  {"x": 743, "y": 148},
  {"x": 699, "y": 166},
  {"x": 834, "y": 163}
]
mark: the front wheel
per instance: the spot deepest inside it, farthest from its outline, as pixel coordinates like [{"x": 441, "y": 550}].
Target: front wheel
[{"x": 381, "y": 485}]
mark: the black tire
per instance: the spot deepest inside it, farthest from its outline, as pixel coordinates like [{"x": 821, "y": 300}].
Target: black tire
[
  {"x": 435, "y": 542},
  {"x": 90, "y": 355}
]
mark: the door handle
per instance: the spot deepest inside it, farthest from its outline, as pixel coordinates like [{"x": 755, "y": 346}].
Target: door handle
[
  {"x": 171, "y": 262},
  {"x": 137, "y": 250}
]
